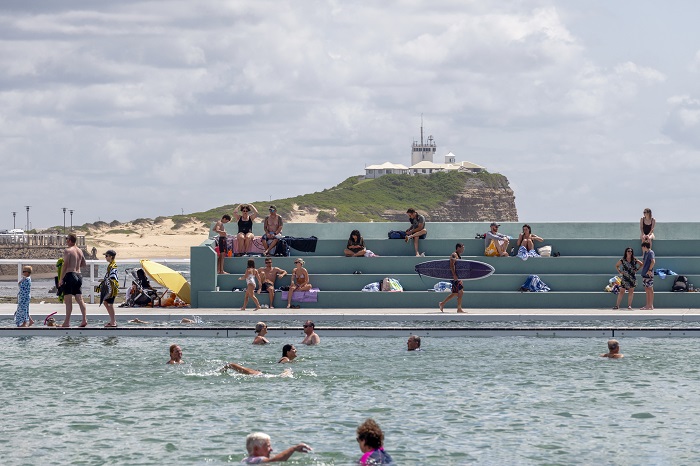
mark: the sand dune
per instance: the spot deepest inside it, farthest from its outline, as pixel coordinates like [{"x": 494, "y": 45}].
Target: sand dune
[{"x": 147, "y": 240}]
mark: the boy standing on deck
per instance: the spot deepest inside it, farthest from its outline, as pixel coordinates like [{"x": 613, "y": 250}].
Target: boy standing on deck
[
  {"x": 649, "y": 259},
  {"x": 222, "y": 242}
]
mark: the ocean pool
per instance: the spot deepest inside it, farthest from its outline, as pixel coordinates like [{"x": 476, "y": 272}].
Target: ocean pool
[{"x": 496, "y": 400}]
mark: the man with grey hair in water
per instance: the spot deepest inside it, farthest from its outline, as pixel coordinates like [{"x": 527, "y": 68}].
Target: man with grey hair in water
[
  {"x": 413, "y": 343},
  {"x": 259, "y": 446}
]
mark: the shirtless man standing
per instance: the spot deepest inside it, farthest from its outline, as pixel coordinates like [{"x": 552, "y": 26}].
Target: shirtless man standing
[
  {"x": 269, "y": 274},
  {"x": 311, "y": 337},
  {"x": 457, "y": 285},
  {"x": 71, "y": 280},
  {"x": 273, "y": 227},
  {"x": 222, "y": 243}
]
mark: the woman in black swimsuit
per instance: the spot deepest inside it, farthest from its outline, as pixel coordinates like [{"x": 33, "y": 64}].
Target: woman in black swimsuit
[
  {"x": 646, "y": 227},
  {"x": 244, "y": 238}
]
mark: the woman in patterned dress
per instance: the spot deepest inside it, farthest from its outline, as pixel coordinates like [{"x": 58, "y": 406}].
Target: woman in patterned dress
[{"x": 628, "y": 267}]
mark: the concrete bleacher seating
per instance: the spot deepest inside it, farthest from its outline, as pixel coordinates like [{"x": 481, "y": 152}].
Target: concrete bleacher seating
[{"x": 588, "y": 251}]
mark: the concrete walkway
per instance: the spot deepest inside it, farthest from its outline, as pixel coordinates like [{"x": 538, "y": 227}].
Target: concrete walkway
[{"x": 98, "y": 315}]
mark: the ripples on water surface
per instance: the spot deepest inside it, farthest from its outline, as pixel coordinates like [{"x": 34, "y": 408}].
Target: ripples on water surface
[{"x": 499, "y": 400}]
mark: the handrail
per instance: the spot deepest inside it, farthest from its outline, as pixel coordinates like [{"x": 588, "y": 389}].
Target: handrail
[
  {"x": 92, "y": 263},
  {"x": 38, "y": 239}
]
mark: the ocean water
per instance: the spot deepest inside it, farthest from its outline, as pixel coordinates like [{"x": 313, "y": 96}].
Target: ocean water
[{"x": 498, "y": 400}]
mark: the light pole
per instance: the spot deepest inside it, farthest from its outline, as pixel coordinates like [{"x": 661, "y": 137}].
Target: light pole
[
  {"x": 64, "y": 220},
  {"x": 27, "y": 207},
  {"x": 71, "y": 219},
  {"x": 14, "y": 220}
]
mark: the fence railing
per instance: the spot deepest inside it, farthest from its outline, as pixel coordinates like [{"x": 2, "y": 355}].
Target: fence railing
[
  {"x": 31, "y": 239},
  {"x": 92, "y": 265}
]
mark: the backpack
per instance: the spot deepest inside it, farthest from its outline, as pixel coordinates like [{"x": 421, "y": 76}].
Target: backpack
[
  {"x": 282, "y": 248},
  {"x": 397, "y": 234},
  {"x": 680, "y": 283}
]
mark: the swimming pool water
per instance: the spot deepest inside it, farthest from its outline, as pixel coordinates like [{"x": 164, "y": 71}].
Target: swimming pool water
[{"x": 498, "y": 400}]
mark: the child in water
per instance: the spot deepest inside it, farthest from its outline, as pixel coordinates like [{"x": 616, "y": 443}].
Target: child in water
[
  {"x": 22, "y": 318},
  {"x": 252, "y": 278}
]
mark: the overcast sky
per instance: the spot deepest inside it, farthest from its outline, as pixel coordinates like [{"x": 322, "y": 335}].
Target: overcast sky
[{"x": 128, "y": 109}]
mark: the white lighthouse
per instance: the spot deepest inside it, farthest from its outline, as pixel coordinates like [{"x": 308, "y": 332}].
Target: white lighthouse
[{"x": 425, "y": 150}]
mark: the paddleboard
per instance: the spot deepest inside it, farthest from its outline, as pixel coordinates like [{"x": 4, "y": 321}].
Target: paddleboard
[
  {"x": 168, "y": 278},
  {"x": 466, "y": 269}
]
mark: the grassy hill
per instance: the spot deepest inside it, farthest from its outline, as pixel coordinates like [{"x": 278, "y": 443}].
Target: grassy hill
[
  {"x": 361, "y": 200},
  {"x": 353, "y": 200}
]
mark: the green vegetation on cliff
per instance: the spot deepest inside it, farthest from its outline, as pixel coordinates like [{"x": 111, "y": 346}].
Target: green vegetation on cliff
[{"x": 362, "y": 200}]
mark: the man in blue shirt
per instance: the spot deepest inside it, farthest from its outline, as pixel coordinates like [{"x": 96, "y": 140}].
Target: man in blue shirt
[{"x": 648, "y": 275}]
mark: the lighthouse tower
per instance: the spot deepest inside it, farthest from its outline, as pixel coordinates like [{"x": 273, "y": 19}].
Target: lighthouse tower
[{"x": 423, "y": 151}]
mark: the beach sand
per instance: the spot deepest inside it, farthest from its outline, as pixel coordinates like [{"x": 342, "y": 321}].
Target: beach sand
[{"x": 147, "y": 239}]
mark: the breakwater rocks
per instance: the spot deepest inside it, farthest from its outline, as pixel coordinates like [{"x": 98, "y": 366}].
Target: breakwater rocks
[{"x": 481, "y": 200}]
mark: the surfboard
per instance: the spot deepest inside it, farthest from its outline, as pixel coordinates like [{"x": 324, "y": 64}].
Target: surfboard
[{"x": 466, "y": 269}]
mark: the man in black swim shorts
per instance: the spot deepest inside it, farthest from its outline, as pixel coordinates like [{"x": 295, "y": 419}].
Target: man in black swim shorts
[
  {"x": 269, "y": 274},
  {"x": 71, "y": 280},
  {"x": 457, "y": 286}
]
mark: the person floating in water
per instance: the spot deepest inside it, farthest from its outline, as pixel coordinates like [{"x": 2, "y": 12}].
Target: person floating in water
[
  {"x": 248, "y": 371},
  {"x": 311, "y": 337},
  {"x": 259, "y": 446},
  {"x": 289, "y": 353},
  {"x": 371, "y": 441},
  {"x": 260, "y": 331},
  {"x": 175, "y": 355},
  {"x": 413, "y": 343},
  {"x": 613, "y": 350}
]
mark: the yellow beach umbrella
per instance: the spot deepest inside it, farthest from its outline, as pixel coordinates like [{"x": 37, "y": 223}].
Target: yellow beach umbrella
[{"x": 168, "y": 278}]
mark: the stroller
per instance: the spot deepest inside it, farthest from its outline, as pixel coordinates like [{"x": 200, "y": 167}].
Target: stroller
[{"x": 141, "y": 293}]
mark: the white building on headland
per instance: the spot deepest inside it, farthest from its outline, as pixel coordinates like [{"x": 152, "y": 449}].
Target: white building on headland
[{"x": 422, "y": 162}]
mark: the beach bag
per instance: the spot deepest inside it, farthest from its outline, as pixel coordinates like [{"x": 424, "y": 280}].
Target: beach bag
[
  {"x": 391, "y": 284},
  {"x": 491, "y": 250},
  {"x": 545, "y": 251},
  {"x": 680, "y": 283},
  {"x": 397, "y": 234}
]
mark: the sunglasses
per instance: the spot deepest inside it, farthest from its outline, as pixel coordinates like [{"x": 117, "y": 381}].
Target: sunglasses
[
  {"x": 268, "y": 262},
  {"x": 307, "y": 326}
]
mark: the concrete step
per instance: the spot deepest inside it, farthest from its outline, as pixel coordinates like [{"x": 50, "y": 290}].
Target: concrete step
[
  {"x": 501, "y": 282},
  {"x": 388, "y": 265},
  {"x": 472, "y": 299}
]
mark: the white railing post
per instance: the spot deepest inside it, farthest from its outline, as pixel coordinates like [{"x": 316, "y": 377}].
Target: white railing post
[{"x": 92, "y": 282}]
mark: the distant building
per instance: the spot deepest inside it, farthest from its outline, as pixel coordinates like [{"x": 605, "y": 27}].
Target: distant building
[
  {"x": 387, "y": 168},
  {"x": 422, "y": 162}
]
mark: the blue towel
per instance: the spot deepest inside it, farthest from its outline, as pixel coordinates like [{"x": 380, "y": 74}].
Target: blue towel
[{"x": 533, "y": 283}]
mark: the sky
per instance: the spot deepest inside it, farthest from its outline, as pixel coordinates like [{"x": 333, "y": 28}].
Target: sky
[{"x": 131, "y": 109}]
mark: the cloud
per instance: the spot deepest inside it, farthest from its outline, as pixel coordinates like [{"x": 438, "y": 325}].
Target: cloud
[{"x": 197, "y": 104}]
